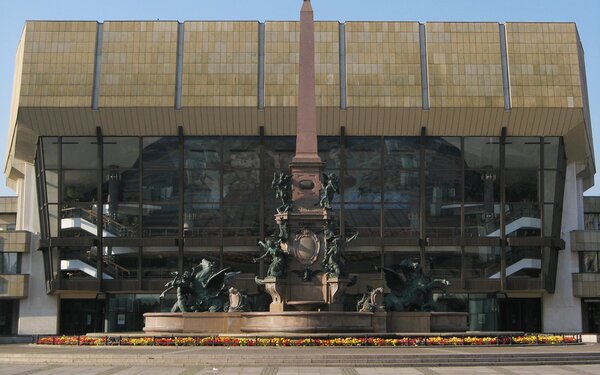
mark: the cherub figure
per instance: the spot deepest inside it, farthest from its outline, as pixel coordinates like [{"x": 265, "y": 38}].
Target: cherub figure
[
  {"x": 334, "y": 261},
  {"x": 272, "y": 249},
  {"x": 331, "y": 186},
  {"x": 282, "y": 183}
]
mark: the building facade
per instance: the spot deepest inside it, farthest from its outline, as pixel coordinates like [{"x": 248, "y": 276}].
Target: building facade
[{"x": 139, "y": 148}]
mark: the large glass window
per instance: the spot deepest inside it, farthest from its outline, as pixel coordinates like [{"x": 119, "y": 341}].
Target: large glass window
[
  {"x": 443, "y": 190},
  {"x": 159, "y": 261},
  {"x": 523, "y": 262},
  {"x": 482, "y": 262},
  {"x": 444, "y": 261},
  {"x": 79, "y": 263},
  {"x": 160, "y": 186},
  {"x": 10, "y": 263},
  {"x": 588, "y": 262},
  {"x": 121, "y": 262}
]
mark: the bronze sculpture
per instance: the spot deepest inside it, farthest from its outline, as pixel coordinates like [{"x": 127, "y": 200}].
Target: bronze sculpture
[
  {"x": 331, "y": 186},
  {"x": 272, "y": 249},
  {"x": 282, "y": 183},
  {"x": 202, "y": 289},
  {"x": 411, "y": 289},
  {"x": 334, "y": 261}
]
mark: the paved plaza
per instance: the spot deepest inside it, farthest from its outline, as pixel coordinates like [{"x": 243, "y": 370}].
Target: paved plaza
[
  {"x": 49, "y": 360},
  {"x": 130, "y": 370}
]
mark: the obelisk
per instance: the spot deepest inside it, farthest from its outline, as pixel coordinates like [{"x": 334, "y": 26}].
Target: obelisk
[{"x": 306, "y": 166}]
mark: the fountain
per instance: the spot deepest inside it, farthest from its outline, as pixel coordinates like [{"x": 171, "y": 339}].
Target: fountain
[{"x": 306, "y": 277}]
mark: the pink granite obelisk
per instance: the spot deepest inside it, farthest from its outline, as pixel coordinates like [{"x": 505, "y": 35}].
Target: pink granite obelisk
[{"x": 306, "y": 166}]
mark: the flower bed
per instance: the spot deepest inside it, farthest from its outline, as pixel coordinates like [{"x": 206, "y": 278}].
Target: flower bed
[{"x": 330, "y": 342}]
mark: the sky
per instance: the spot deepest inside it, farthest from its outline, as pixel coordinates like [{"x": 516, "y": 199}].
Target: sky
[{"x": 585, "y": 13}]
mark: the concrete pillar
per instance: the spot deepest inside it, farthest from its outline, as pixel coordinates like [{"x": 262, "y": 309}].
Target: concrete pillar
[
  {"x": 38, "y": 312},
  {"x": 561, "y": 311}
]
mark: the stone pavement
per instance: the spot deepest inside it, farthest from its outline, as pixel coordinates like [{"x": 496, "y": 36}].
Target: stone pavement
[
  {"x": 130, "y": 370},
  {"x": 49, "y": 360}
]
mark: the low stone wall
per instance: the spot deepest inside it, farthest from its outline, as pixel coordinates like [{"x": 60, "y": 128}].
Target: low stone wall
[
  {"x": 305, "y": 322},
  {"x": 192, "y": 322}
]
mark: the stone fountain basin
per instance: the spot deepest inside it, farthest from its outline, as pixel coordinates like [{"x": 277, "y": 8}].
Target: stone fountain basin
[
  {"x": 304, "y": 322},
  {"x": 307, "y": 322}
]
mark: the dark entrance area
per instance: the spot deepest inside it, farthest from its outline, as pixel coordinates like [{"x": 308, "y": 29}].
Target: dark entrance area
[
  {"x": 8, "y": 317},
  {"x": 80, "y": 316},
  {"x": 520, "y": 314},
  {"x": 590, "y": 309}
]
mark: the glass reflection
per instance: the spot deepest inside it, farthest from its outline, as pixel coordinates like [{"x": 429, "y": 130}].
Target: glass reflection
[
  {"x": 201, "y": 153},
  {"x": 523, "y": 262},
  {"x": 444, "y": 262},
  {"x": 241, "y": 152},
  {"x": 401, "y": 220},
  {"x": 551, "y": 152},
  {"x": 202, "y": 185},
  {"x": 401, "y": 186},
  {"x": 241, "y": 185},
  {"x": 202, "y": 220},
  {"x": 80, "y": 186},
  {"x": 443, "y": 153},
  {"x": 50, "y": 147},
  {"x": 362, "y": 186},
  {"x": 402, "y": 152},
  {"x": 159, "y": 262},
  {"x": 79, "y": 153},
  {"x": 73, "y": 261},
  {"x": 160, "y": 152},
  {"x": 160, "y": 185},
  {"x": 330, "y": 151},
  {"x": 160, "y": 220},
  {"x": 363, "y": 152},
  {"x": 482, "y": 262},
  {"x": 279, "y": 152},
  {"x": 364, "y": 218},
  {"x": 522, "y": 152},
  {"x": 121, "y": 152},
  {"x": 482, "y": 152},
  {"x": 241, "y": 220},
  {"x": 121, "y": 262}
]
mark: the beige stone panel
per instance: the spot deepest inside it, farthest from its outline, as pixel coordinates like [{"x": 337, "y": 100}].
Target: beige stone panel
[
  {"x": 544, "y": 65},
  {"x": 281, "y": 64},
  {"x": 58, "y": 64},
  {"x": 139, "y": 62},
  {"x": 220, "y": 64},
  {"x": 464, "y": 64},
  {"x": 383, "y": 64}
]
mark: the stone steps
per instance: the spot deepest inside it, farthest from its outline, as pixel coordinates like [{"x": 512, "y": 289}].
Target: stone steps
[{"x": 262, "y": 358}]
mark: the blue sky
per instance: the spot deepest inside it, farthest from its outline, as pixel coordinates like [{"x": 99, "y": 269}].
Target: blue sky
[{"x": 585, "y": 13}]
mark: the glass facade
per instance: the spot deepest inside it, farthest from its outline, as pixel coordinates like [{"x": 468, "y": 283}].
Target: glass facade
[{"x": 143, "y": 207}]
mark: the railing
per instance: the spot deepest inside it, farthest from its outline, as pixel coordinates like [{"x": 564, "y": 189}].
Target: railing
[
  {"x": 116, "y": 270},
  {"x": 110, "y": 225}
]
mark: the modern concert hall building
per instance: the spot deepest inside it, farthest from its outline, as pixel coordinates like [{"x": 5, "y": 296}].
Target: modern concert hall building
[{"x": 138, "y": 148}]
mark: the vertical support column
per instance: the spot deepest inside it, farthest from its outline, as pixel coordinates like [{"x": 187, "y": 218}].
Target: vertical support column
[
  {"x": 343, "y": 170},
  {"x": 342, "y": 49},
  {"x": 140, "y": 212},
  {"x": 505, "y": 77},
  {"x": 422, "y": 207},
  {"x": 261, "y": 65},
  {"x": 99, "y": 210},
  {"x": 221, "y": 208},
  {"x": 503, "y": 240},
  {"x": 97, "y": 66},
  {"x": 58, "y": 209},
  {"x": 424, "y": 77},
  {"x": 181, "y": 210},
  {"x": 263, "y": 185},
  {"x": 179, "y": 68}
]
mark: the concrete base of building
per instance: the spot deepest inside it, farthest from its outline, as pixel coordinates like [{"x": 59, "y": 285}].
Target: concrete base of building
[{"x": 305, "y": 322}]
